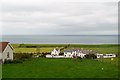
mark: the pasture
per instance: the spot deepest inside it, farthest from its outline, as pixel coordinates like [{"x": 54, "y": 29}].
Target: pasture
[
  {"x": 43, "y": 48},
  {"x": 61, "y": 68},
  {"x": 32, "y": 50}
]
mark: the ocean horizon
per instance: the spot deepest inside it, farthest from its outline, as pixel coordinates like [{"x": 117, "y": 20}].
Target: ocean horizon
[{"x": 61, "y": 39}]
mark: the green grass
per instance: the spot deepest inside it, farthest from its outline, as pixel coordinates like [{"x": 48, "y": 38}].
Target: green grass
[
  {"x": 61, "y": 68},
  {"x": 62, "y": 45},
  {"x": 49, "y": 49},
  {"x": 40, "y": 45},
  {"x": 32, "y": 50},
  {"x": 103, "y": 48},
  {"x": 0, "y": 71}
]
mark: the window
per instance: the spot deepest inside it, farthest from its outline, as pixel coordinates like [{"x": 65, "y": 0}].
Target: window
[{"x": 8, "y": 55}]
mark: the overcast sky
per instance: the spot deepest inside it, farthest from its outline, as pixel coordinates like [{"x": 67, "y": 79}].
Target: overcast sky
[{"x": 58, "y": 17}]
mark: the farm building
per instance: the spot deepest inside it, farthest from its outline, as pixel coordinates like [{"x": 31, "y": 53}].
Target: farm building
[
  {"x": 81, "y": 54},
  {"x": 109, "y": 55},
  {"x": 6, "y": 51},
  {"x": 99, "y": 55},
  {"x": 106, "y": 55},
  {"x": 71, "y": 53},
  {"x": 76, "y": 53},
  {"x": 55, "y": 52}
]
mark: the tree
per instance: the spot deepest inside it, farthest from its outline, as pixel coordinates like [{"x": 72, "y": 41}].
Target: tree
[
  {"x": 90, "y": 56},
  {"x": 38, "y": 50}
]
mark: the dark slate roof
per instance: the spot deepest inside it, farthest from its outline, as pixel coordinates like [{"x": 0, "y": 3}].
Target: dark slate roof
[
  {"x": 68, "y": 51},
  {"x": 76, "y": 49},
  {"x": 81, "y": 50}
]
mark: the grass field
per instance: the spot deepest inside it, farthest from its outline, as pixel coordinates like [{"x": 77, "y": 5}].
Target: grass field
[
  {"x": 103, "y": 48},
  {"x": 0, "y": 71},
  {"x": 32, "y": 50},
  {"x": 61, "y": 68}
]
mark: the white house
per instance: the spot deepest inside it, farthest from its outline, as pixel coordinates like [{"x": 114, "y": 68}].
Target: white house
[
  {"x": 72, "y": 53},
  {"x": 55, "y": 52},
  {"x": 109, "y": 56},
  {"x": 68, "y": 53},
  {"x": 99, "y": 55},
  {"x": 81, "y": 54},
  {"x": 77, "y": 53},
  {"x": 105, "y": 55},
  {"x": 6, "y": 51}
]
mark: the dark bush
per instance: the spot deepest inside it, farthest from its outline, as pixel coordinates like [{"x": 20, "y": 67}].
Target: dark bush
[
  {"x": 43, "y": 55},
  {"x": 12, "y": 61},
  {"x": 79, "y": 58},
  {"x": 90, "y": 56},
  {"x": 31, "y": 46},
  {"x": 22, "y": 56},
  {"x": 61, "y": 53},
  {"x": 21, "y": 45},
  {"x": 17, "y": 61},
  {"x": 8, "y": 61}
]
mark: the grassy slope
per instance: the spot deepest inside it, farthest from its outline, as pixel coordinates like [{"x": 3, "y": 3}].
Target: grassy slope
[
  {"x": 60, "y": 68},
  {"x": 106, "y": 48},
  {"x": 0, "y": 71},
  {"x": 32, "y": 50}
]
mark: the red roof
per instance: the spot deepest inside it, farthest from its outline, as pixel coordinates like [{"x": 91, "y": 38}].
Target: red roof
[{"x": 3, "y": 45}]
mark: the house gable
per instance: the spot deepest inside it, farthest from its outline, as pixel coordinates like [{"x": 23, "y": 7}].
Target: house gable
[{"x": 3, "y": 46}]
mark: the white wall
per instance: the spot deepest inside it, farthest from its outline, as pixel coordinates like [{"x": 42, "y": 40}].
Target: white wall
[
  {"x": 0, "y": 55},
  {"x": 81, "y": 55},
  {"x": 55, "y": 52},
  {"x": 67, "y": 54},
  {"x": 4, "y": 54},
  {"x": 108, "y": 56}
]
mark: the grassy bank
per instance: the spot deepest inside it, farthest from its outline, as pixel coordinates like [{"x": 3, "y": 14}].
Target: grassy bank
[
  {"x": 61, "y": 68},
  {"x": 27, "y": 48}
]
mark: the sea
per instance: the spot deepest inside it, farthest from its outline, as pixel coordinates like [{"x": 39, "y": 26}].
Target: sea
[{"x": 61, "y": 39}]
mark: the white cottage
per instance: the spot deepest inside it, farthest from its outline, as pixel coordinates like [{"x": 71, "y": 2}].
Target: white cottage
[
  {"x": 55, "y": 52},
  {"x": 99, "y": 55},
  {"x": 106, "y": 55},
  {"x": 81, "y": 54},
  {"x": 76, "y": 53},
  {"x": 71, "y": 53},
  {"x": 109, "y": 55},
  {"x": 6, "y": 51}
]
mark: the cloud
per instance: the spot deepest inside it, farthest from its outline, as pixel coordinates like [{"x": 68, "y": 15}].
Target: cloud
[{"x": 58, "y": 17}]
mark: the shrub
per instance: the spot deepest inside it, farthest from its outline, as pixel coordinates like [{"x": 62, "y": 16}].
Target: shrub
[
  {"x": 21, "y": 45},
  {"x": 79, "y": 58},
  {"x": 17, "y": 61},
  {"x": 22, "y": 56},
  {"x": 12, "y": 61},
  {"x": 43, "y": 55},
  {"x": 8, "y": 61},
  {"x": 61, "y": 53},
  {"x": 90, "y": 56}
]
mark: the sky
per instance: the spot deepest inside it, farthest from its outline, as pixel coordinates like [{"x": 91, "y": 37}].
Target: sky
[{"x": 58, "y": 17}]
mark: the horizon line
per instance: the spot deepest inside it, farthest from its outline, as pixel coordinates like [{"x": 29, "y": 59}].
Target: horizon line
[{"x": 64, "y": 34}]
